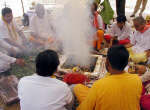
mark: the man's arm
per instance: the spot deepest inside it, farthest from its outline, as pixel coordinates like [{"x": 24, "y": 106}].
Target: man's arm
[
  {"x": 13, "y": 42},
  {"x": 90, "y": 101},
  {"x": 69, "y": 99}
]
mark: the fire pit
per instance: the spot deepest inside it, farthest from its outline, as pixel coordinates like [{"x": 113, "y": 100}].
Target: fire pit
[
  {"x": 89, "y": 68},
  {"x": 96, "y": 68}
]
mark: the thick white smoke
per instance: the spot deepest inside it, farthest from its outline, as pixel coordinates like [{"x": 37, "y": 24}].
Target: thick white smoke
[{"x": 74, "y": 27}]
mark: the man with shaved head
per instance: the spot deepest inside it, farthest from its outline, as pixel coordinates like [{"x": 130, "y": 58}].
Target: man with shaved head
[{"x": 140, "y": 41}]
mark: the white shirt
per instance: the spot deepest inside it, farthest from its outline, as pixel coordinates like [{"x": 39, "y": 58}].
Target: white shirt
[
  {"x": 100, "y": 22},
  {"x": 141, "y": 41},
  {"x": 5, "y": 62},
  {"x": 126, "y": 31},
  {"x": 43, "y": 93},
  {"x": 4, "y": 33},
  {"x": 41, "y": 26}
]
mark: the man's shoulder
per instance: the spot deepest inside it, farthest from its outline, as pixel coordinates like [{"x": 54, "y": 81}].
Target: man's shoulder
[{"x": 60, "y": 82}]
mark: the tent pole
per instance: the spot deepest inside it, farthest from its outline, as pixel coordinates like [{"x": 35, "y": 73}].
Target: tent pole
[{"x": 22, "y": 6}]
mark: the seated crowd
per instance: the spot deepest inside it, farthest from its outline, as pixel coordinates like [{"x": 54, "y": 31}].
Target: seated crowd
[{"x": 118, "y": 90}]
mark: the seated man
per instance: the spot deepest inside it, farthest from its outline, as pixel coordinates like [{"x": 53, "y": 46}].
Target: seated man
[
  {"x": 55, "y": 93},
  {"x": 121, "y": 31},
  {"x": 139, "y": 46},
  {"x": 99, "y": 27},
  {"x": 117, "y": 91},
  {"x": 10, "y": 35},
  {"x": 40, "y": 26}
]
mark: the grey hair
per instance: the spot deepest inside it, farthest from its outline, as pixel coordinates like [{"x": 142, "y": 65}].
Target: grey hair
[{"x": 140, "y": 20}]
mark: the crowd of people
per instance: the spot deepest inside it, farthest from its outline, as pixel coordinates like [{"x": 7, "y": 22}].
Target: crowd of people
[{"x": 118, "y": 90}]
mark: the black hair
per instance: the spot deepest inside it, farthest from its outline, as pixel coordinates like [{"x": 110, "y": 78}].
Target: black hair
[
  {"x": 6, "y": 10},
  {"x": 47, "y": 63},
  {"x": 118, "y": 57},
  {"x": 95, "y": 6},
  {"x": 121, "y": 19}
]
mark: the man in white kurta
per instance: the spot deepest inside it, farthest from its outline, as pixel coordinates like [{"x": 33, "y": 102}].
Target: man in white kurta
[
  {"x": 10, "y": 41},
  {"x": 5, "y": 62},
  {"x": 41, "y": 91},
  {"x": 123, "y": 33},
  {"x": 40, "y": 26},
  {"x": 140, "y": 45},
  {"x": 121, "y": 30}
]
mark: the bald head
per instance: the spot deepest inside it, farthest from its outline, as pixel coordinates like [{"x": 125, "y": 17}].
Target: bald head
[{"x": 139, "y": 23}]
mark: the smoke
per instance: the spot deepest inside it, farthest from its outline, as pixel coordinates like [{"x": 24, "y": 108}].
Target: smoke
[{"x": 74, "y": 28}]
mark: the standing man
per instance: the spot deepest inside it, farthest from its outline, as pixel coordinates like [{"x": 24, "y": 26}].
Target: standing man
[
  {"x": 98, "y": 24},
  {"x": 120, "y": 7},
  {"x": 137, "y": 7}
]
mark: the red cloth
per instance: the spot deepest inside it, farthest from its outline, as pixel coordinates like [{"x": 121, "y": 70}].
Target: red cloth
[
  {"x": 145, "y": 28},
  {"x": 125, "y": 41},
  {"x": 145, "y": 102},
  {"x": 75, "y": 78},
  {"x": 95, "y": 22},
  {"x": 107, "y": 37},
  {"x": 121, "y": 42}
]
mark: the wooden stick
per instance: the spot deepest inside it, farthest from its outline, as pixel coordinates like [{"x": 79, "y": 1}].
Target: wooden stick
[{"x": 22, "y": 6}]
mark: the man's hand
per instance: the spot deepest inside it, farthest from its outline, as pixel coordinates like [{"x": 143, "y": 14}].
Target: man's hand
[
  {"x": 128, "y": 45},
  {"x": 20, "y": 62}
]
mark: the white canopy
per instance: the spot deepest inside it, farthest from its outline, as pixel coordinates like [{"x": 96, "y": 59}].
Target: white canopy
[{"x": 16, "y": 5}]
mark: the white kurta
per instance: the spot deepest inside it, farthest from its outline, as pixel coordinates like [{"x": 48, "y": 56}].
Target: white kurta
[
  {"x": 141, "y": 41},
  {"x": 126, "y": 31},
  {"x": 4, "y": 33},
  {"x": 43, "y": 93},
  {"x": 100, "y": 22},
  {"x": 5, "y": 62},
  {"x": 41, "y": 26}
]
